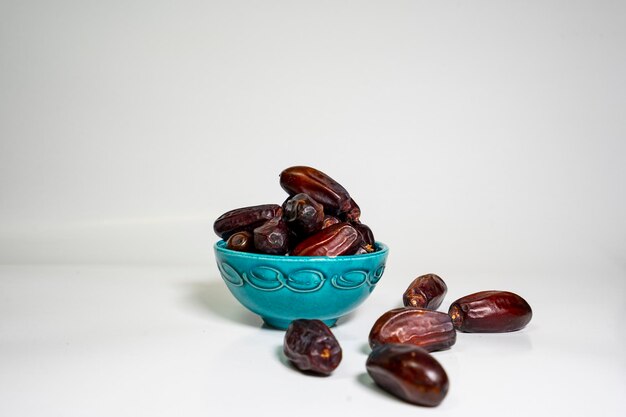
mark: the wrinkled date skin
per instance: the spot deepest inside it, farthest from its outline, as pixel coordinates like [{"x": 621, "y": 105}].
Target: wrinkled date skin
[
  {"x": 352, "y": 213},
  {"x": 431, "y": 330},
  {"x": 336, "y": 240},
  {"x": 367, "y": 237},
  {"x": 490, "y": 312},
  {"x": 319, "y": 218},
  {"x": 409, "y": 373},
  {"x": 241, "y": 241},
  {"x": 303, "y": 214},
  {"x": 329, "y": 221},
  {"x": 246, "y": 218},
  {"x": 311, "y": 346},
  {"x": 426, "y": 291},
  {"x": 272, "y": 237},
  {"x": 321, "y": 187}
]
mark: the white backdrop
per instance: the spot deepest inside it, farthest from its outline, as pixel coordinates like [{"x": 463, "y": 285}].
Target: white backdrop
[
  {"x": 481, "y": 139},
  {"x": 482, "y": 135}
]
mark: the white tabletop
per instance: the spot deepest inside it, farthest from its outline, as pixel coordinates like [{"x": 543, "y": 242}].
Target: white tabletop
[{"x": 126, "y": 341}]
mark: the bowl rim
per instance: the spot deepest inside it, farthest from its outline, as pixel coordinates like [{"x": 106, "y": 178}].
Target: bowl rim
[{"x": 220, "y": 246}]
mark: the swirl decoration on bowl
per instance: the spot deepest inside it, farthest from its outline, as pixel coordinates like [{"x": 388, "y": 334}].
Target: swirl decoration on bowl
[
  {"x": 377, "y": 274},
  {"x": 230, "y": 274},
  {"x": 350, "y": 280},
  {"x": 266, "y": 278}
]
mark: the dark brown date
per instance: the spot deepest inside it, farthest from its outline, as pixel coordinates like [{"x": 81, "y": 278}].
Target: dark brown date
[
  {"x": 241, "y": 241},
  {"x": 409, "y": 373},
  {"x": 272, "y": 237},
  {"x": 336, "y": 240},
  {"x": 329, "y": 221},
  {"x": 367, "y": 237},
  {"x": 303, "y": 214},
  {"x": 490, "y": 312},
  {"x": 246, "y": 218},
  {"x": 361, "y": 251},
  {"x": 352, "y": 213},
  {"x": 311, "y": 346},
  {"x": 321, "y": 187},
  {"x": 431, "y": 330},
  {"x": 426, "y": 291}
]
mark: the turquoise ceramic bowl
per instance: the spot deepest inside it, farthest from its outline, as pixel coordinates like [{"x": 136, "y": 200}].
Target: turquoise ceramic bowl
[{"x": 281, "y": 289}]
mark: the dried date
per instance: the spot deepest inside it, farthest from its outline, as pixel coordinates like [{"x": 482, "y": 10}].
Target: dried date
[
  {"x": 245, "y": 218},
  {"x": 303, "y": 214},
  {"x": 336, "y": 240},
  {"x": 317, "y": 204},
  {"x": 490, "y": 312},
  {"x": 426, "y": 291},
  {"x": 367, "y": 237},
  {"x": 431, "y": 330},
  {"x": 241, "y": 241},
  {"x": 318, "y": 185},
  {"x": 352, "y": 212},
  {"x": 329, "y": 221},
  {"x": 311, "y": 346},
  {"x": 409, "y": 373},
  {"x": 272, "y": 237}
]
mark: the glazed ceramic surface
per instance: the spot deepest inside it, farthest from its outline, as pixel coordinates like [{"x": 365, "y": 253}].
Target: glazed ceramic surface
[{"x": 284, "y": 288}]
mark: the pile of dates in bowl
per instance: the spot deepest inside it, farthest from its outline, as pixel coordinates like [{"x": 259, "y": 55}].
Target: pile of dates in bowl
[
  {"x": 310, "y": 257},
  {"x": 319, "y": 218}
]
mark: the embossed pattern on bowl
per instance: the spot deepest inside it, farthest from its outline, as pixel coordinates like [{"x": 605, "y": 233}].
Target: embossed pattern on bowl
[{"x": 284, "y": 288}]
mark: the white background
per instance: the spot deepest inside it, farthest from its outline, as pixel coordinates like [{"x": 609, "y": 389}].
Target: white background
[{"x": 483, "y": 140}]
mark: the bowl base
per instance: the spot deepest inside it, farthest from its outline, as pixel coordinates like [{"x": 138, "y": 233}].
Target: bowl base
[{"x": 283, "y": 324}]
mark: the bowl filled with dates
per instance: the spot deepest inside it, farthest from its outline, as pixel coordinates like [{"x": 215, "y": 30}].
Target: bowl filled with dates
[{"x": 310, "y": 257}]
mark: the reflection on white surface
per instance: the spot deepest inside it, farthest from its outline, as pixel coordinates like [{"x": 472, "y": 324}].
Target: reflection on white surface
[{"x": 485, "y": 344}]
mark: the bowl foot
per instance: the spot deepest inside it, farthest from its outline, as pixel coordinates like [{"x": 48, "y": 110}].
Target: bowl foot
[{"x": 283, "y": 324}]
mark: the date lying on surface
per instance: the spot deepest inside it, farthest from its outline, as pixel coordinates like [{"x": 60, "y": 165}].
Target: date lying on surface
[
  {"x": 311, "y": 346},
  {"x": 408, "y": 372},
  {"x": 431, "y": 330},
  {"x": 426, "y": 291},
  {"x": 490, "y": 312}
]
